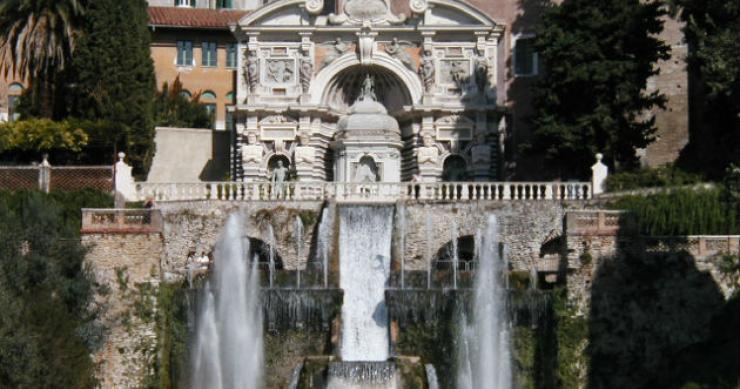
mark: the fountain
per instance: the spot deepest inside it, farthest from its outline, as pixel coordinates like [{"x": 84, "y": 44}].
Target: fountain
[
  {"x": 228, "y": 346},
  {"x": 324, "y": 241},
  {"x": 298, "y": 241},
  {"x": 364, "y": 261},
  {"x": 484, "y": 358}
]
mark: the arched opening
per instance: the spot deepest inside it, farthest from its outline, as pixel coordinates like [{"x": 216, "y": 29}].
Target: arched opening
[
  {"x": 345, "y": 87},
  {"x": 367, "y": 170},
  {"x": 455, "y": 169},
  {"x": 260, "y": 250},
  {"x": 279, "y": 161},
  {"x": 443, "y": 260}
]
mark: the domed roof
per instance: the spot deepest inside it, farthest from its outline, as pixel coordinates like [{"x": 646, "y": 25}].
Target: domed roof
[
  {"x": 368, "y": 120},
  {"x": 368, "y": 116}
]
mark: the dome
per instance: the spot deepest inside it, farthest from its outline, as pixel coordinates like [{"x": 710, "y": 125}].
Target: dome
[{"x": 368, "y": 118}]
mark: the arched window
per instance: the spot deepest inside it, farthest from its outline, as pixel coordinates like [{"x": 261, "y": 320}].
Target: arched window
[
  {"x": 208, "y": 95},
  {"x": 186, "y": 94},
  {"x": 230, "y": 98},
  {"x": 14, "y": 94}
]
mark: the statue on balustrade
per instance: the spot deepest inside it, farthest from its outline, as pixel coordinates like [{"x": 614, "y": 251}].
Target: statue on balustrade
[{"x": 278, "y": 179}]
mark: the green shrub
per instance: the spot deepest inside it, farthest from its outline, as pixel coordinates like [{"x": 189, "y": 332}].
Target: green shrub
[
  {"x": 650, "y": 178},
  {"x": 47, "y": 330},
  {"x": 683, "y": 212}
]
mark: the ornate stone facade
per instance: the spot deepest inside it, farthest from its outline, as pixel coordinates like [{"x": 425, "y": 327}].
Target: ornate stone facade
[{"x": 435, "y": 74}]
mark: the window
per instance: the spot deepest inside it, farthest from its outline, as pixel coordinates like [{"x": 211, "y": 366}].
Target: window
[
  {"x": 186, "y": 94},
  {"x": 12, "y": 104},
  {"x": 211, "y": 109},
  {"x": 224, "y": 4},
  {"x": 184, "y": 53},
  {"x": 229, "y": 119},
  {"x": 231, "y": 55},
  {"x": 526, "y": 61},
  {"x": 14, "y": 95},
  {"x": 185, "y": 3},
  {"x": 209, "y": 54},
  {"x": 208, "y": 95}
]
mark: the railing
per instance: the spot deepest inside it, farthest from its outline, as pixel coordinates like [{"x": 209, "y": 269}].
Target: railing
[
  {"x": 365, "y": 192},
  {"x": 46, "y": 177},
  {"x": 121, "y": 221}
]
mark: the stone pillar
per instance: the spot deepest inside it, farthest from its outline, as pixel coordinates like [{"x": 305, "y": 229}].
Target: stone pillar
[{"x": 304, "y": 160}]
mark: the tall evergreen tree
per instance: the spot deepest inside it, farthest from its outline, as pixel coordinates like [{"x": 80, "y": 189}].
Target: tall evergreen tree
[
  {"x": 598, "y": 56},
  {"x": 712, "y": 30},
  {"x": 113, "y": 75}
]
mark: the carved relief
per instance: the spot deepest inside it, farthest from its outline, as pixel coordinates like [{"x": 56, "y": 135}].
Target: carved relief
[
  {"x": 335, "y": 50},
  {"x": 481, "y": 74},
  {"x": 280, "y": 71},
  {"x": 455, "y": 72},
  {"x": 252, "y": 70},
  {"x": 366, "y": 12},
  {"x": 314, "y": 7},
  {"x": 306, "y": 72},
  {"x": 428, "y": 71},
  {"x": 397, "y": 50},
  {"x": 277, "y": 119},
  {"x": 418, "y": 6}
]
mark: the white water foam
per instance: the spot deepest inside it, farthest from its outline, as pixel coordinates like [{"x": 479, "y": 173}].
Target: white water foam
[
  {"x": 484, "y": 357},
  {"x": 364, "y": 265},
  {"x": 228, "y": 350}
]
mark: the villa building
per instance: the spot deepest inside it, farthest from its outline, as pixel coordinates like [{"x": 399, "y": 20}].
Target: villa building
[{"x": 280, "y": 78}]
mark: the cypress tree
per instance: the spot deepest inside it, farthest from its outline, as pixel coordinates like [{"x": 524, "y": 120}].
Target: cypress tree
[
  {"x": 113, "y": 77},
  {"x": 598, "y": 56}
]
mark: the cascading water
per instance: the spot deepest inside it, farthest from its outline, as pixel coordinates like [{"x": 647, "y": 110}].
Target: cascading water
[
  {"x": 364, "y": 262},
  {"x": 324, "y": 241},
  {"x": 228, "y": 346},
  {"x": 272, "y": 244},
  {"x": 484, "y": 358},
  {"x": 298, "y": 240}
]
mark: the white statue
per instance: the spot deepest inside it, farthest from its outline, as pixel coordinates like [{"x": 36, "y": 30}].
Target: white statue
[{"x": 278, "y": 179}]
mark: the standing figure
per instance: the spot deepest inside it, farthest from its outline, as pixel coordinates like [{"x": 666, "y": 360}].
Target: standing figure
[
  {"x": 278, "y": 179},
  {"x": 428, "y": 71},
  {"x": 252, "y": 70},
  {"x": 306, "y": 72},
  {"x": 368, "y": 89}
]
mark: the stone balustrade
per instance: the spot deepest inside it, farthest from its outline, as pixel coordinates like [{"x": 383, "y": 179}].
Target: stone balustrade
[
  {"x": 121, "y": 221},
  {"x": 365, "y": 192}
]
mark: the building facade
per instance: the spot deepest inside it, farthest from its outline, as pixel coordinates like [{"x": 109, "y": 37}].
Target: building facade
[{"x": 455, "y": 75}]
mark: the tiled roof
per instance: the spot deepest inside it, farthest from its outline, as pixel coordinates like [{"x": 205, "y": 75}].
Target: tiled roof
[{"x": 193, "y": 17}]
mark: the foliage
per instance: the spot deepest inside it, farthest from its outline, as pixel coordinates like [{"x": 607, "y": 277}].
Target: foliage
[
  {"x": 47, "y": 330},
  {"x": 38, "y": 37},
  {"x": 665, "y": 176},
  {"x": 712, "y": 31},
  {"x": 683, "y": 212},
  {"x": 172, "y": 109},
  {"x": 657, "y": 321},
  {"x": 39, "y": 135},
  {"x": 572, "y": 340},
  {"x": 591, "y": 98},
  {"x": 113, "y": 76}
]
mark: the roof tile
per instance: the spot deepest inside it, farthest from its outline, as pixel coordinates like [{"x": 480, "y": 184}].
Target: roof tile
[{"x": 193, "y": 17}]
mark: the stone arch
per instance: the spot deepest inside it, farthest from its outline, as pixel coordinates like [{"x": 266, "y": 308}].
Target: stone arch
[
  {"x": 261, "y": 250},
  {"x": 465, "y": 253},
  {"x": 272, "y": 159},
  {"x": 453, "y": 166},
  {"x": 410, "y": 82}
]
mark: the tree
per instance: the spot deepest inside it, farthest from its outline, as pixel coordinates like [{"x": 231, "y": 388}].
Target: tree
[
  {"x": 173, "y": 109},
  {"x": 47, "y": 329},
  {"x": 37, "y": 38},
  {"x": 113, "y": 75},
  {"x": 712, "y": 30},
  {"x": 592, "y": 98}
]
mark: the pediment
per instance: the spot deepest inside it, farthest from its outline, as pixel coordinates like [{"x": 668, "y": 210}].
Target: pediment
[{"x": 363, "y": 12}]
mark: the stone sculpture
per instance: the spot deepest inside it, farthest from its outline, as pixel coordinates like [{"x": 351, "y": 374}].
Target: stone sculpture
[
  {"x": 278, "y": 179},
  {"x": 279, "y": 71},
  {"x": 336, "y": 49},
  {"x": 481, "y": 74},
  {"x": 306, "y": 72},
  {"x": 428, "y": 71},
  {"x": 368, "y": 89},
  {"x": 397, "y": 50},
  {"x": 252, "y": 71}
]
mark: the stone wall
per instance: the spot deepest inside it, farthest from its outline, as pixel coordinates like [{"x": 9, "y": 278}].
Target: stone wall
[
  {"x": 190, "y": 155},
  {"x": 128, "y": 264}
]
